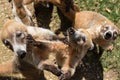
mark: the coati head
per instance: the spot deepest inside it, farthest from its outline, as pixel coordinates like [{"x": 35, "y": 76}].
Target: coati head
[{"x": 79, "y": 37}]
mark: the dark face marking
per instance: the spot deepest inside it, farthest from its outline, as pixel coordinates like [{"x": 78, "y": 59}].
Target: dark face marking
[
  {"x": 7, "y": 44},
  {"x": 76, "y": 37},
  {"x": 109, "y": 32}
]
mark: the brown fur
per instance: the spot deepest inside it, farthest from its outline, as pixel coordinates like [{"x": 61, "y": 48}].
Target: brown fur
[
  {"x": 62, "y": 4},
  {"x": 40, "y": 58},
  {"x": 91, "y": 21},
  {"x": 20, "y": 11},
  {"x": 25, "y": 17},
  {"x": 68, "y": 55},
  {"x": 69, "y": 4}
]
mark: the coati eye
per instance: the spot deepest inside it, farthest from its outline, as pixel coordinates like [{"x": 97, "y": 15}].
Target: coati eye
[
  {"x": 84, "y": 39},
  {"x": 19, "y": 34},
  {"x": 106, "y": 28}
]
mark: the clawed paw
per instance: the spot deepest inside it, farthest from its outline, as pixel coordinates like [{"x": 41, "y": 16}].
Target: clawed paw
[
  {"x": 31, "y": 41},
  {"x": 58, "y": 72},
  {"x": 65, "y": 76}
]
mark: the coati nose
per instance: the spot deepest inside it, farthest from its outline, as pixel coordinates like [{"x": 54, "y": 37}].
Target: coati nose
[
  {"x": 108, "y": 35},
  {"x": 21, "y": 53}
]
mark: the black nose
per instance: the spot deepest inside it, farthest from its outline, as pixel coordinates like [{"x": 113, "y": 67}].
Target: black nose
[
  {"x": 108, "y": 35},
  {"x": 21, "y": 53}
]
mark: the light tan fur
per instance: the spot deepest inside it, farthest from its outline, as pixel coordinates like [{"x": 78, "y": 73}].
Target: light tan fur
[
  {"x": 30, "y": 1},
  {"x": 7, "y": 67},
  {"x": 94, "y": 23},
  {"x": 34, "y": 56},
  {"x": 59, "y": 3},
  {"x": 68, "y": 56},
  {"x": 76, "y": 53},
  {"x": 21, "y": 13}
]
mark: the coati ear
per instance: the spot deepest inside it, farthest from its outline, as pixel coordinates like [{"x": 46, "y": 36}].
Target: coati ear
[{"x": 91, "y": 47}]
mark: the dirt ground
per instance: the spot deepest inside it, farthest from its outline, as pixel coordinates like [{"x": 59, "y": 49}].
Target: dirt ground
[{"x": 5, "y": 54}]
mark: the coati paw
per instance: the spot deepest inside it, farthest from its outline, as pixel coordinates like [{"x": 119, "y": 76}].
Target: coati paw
[
  {"x": 58, "y": 72},
  {"x": 31, "y": 41},
  {"x": 65, "y": 76}
]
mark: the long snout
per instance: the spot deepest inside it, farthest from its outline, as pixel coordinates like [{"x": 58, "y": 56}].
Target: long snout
[
  {"x": 111, "y": 35},
  {"x": 21, "y": 53},
  {"x": 108, "y": 35}
]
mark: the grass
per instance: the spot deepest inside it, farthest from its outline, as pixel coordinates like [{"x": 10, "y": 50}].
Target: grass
[{"x": 109, "y": 8}]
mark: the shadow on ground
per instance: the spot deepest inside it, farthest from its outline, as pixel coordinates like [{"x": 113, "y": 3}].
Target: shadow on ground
[{"x": 91, "y": 69}]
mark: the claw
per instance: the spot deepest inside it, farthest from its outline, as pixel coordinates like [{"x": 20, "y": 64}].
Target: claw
[
  {"x": 30, "y": 39},
  {"x": 65, "y": 76}
]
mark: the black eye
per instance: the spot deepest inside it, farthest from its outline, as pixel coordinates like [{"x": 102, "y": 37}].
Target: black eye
[
  {"x": 84, "y": 38},
  {"x": 18, "y": 34},
  {"x": 7, "y": 44},
  {"x": 106, "y": 28}
]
